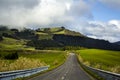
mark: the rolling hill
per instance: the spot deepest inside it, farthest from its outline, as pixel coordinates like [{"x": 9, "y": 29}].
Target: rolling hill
[{"x": 53, "y": 38}]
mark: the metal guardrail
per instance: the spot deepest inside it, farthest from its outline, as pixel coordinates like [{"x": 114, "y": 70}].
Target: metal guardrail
[
  {"x": 9, "y": 75},
  {"x": 104, "y": 74}
]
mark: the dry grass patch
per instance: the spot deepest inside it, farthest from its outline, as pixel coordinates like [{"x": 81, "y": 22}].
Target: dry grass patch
[{"x": 21, "y": 63}]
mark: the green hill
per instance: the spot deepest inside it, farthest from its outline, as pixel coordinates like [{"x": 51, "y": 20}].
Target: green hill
[
  {"x": 57, "y": 30},
  {"x": 47, "y": 33},
  {"x": 50, "y": 38},
  {"x": 13, "y": 44}
]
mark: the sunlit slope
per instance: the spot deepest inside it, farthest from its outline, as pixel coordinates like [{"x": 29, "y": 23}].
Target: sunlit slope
[
  {"x": 102, "y": 59},
  {"x": 13, "y": 44},
  {"x": 57, "y": 30}
]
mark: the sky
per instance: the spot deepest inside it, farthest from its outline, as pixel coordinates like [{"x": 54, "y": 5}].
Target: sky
[{"x": 99, "y": 19}]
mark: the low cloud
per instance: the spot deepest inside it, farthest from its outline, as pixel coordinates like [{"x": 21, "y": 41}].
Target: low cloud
[
  {"x": 100, "y": 30},
  {"x": 74, "y": 14}
]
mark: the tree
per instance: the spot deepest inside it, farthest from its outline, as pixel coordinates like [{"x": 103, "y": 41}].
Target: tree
[
  {"x": 47, "y": 30},
  {"x": 38, "y": 30},
  {"x": 3, "y": 28},
  {"x": 63, "y": 27},
  {"x": 15, "y": 30},
  {"x": 11, "y": 56},
  {"x": 1, "y": 38}
]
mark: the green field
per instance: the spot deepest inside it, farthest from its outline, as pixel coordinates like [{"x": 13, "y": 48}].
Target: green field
[
  {"x": 32, "y": 59},
  {"x": 102, "y": 59},
  {"x": 13, "y": 44},
  {"x": 45, "y": 36}
]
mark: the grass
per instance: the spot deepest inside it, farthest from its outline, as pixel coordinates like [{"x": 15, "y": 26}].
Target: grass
[
  {"x": 60, "y": 32},
  {"x": 32, "y": 59},
  {"x": 54, "y": 29},
  {"x": 13, "y": 44},
  {"x": 41, "y": 33},
  {"x": 21, "y": 63},
  {"x": 45, "y": 36},
  {"x": 52, "y": 58},
  {"x": 102, "y": 59}
]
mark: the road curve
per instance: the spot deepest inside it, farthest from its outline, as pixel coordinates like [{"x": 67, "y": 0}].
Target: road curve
[{"x": 70, "y": 70}]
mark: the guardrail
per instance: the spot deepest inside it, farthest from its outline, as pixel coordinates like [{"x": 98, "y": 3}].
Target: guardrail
[
  {"x": 21, "y": 73},
  {"x": 104, "y": 74}
]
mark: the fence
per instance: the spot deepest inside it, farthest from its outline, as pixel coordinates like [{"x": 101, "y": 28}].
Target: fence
[
  {"x": 104, "y": 74},
  {"x": 21, "y": 73}
]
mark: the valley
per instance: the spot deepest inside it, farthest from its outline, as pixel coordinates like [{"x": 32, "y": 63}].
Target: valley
[{"x": 51, "y": 46}]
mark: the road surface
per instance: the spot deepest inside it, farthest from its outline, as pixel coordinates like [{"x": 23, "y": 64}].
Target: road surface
[{"x": 70, "y": 70}]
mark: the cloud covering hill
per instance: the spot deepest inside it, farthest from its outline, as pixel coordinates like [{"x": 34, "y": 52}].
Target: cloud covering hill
[{"x": 95, "y": 18}]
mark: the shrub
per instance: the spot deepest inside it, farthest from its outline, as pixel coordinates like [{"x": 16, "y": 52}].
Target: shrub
[
  {"x": 1, "y": 38},
  {"x": 11, "y": 56}
]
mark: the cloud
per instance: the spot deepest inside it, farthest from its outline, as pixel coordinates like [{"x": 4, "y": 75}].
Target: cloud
[
  {"x": 112, "y": 3},
  {"x": 74, "y": 14},
  {"x": 42, "y": 12},
  {"x": 100, "y": 30},
  {"x": 7, "y": 4}
]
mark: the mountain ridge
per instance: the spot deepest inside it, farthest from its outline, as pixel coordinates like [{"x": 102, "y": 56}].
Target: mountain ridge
[
  {"x": 117, "y": 42},
  {"x": 49, "y": 38}
]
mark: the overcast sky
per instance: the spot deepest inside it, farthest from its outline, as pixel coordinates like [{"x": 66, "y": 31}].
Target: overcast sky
[{"x": 94, "y": 18}]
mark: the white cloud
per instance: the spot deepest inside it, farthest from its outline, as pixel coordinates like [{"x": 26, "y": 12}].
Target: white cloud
[
  {"x": 115, "y": 22},
  {"x": 43, "y": 12},
  {"x": 71, "y": 13},
  {"x": 101, "y": 30},
  {"x": 106, "y": 30}
]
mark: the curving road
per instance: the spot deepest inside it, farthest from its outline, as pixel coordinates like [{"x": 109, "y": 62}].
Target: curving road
[{"x": 70, "y": 70}]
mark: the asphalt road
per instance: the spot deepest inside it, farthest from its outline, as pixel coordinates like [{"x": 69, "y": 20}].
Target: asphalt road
[{"x": 70, "y": 70}]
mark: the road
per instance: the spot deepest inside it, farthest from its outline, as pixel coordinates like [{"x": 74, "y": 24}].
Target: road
[{"x": 70, "y": 70}]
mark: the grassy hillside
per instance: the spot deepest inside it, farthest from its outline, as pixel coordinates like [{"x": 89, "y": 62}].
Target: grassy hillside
[
  {"x": 47, "y": 33},
  {"x": 13, "y": 44},
  {"x": 50, "y": 38},
  {"x": 102, "y": 59}
]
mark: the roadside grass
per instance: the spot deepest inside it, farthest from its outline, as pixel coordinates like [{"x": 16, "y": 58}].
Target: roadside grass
[
  {"x": 13, "y": 44},
  {"x": 50, "y": 57},
  {"x": 32, "y": 59},
  {"x": 20, "y": 63},
  {"x": 54, "y": 58},
  {"x": 102, "y": 59}
]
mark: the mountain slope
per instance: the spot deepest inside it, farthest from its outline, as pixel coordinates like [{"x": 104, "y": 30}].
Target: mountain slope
[
  {"x": 47, "y": 38},
  {"x": 68, "y": 40},
  {"x": 58, "y": 30},
  {"x": 117, "y": 42}
]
